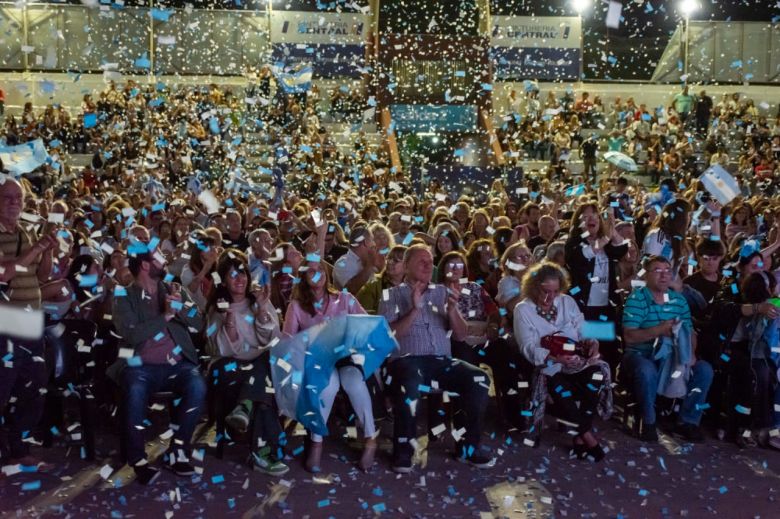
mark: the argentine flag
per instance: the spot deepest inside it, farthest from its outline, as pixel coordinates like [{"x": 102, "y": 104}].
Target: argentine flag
[
  {"x": 720, "y": 184},
  {"x": 24, "y": 158},
  {"x": 293, "y": 81}
]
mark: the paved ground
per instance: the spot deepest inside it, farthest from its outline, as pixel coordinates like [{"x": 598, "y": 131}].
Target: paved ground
[{"x": 665, "y": 480}]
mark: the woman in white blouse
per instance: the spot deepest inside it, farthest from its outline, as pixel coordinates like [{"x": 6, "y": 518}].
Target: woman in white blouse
[
  {"x": 571, "y": 376},
  {"x": 242, "y": 324}
]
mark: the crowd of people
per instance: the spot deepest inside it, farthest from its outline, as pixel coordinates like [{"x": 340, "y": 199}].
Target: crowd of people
[
  {"x": 194, "y": 265},
  {"x": 675, "y": 140}
]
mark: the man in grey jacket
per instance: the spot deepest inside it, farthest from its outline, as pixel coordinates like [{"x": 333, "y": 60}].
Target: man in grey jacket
[{"x": 155, "y": 320}]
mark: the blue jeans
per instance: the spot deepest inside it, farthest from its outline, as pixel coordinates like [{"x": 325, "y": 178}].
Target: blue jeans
[
  {"x": 139, "y": 383},
  {"x": 642, "y": 372}
]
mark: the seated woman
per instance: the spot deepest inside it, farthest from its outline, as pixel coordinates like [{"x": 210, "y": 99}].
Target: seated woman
[
  {"x": 762, "y": 335},
  {"x": 515, "y": 262},
  {"x": 313, "y": 301},
  {"x": 392, "y": 276},
  {"x": 567, "y": 375},
  {"x": 484, "y": 343},
  {"x": 285, "y": 261},
  {"x": 241, "y": 325},
  {"x": 481, "y": 260},
  {"x": 196, "y": 276}
]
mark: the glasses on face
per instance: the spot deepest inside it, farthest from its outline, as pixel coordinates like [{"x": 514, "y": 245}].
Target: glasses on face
[
  {"x": 455, "y": 265},
  {"x": 523, "y": 257},
  {"x": 661, "y": 272}
]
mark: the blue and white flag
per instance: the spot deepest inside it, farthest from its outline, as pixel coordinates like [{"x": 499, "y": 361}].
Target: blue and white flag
[
  {"x": 720, "y": 184},
  {"x": 295, "y": 81},
  {"x": 301, "y": 365},
  {"x": 24, "y": 158}
]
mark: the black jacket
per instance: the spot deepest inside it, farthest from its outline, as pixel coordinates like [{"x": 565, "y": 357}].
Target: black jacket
[{"x": 581, "y": 268}]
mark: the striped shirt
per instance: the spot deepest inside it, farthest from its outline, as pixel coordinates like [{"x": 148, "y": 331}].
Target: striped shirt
[
  {"x": 428, "y": 334},
  {"x": 24, "y": 289},
  {"x": 641, "y": 312}
]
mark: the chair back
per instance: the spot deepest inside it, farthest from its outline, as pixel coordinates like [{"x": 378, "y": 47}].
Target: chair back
[{"x": 69, "y": 355}]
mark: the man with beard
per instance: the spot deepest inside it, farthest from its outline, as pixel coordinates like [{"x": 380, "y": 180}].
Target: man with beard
[{"x": 155, "y": 319}]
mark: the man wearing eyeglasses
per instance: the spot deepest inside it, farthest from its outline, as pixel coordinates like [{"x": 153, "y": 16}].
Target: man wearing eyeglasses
[{"x": 649, "y": 315}]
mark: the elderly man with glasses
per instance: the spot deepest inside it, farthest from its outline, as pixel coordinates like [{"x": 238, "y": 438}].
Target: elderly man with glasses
[{"x": 650, "y": 314}]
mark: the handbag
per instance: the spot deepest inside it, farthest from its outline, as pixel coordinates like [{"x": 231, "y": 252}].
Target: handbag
[{"x": 560, "y": 345}]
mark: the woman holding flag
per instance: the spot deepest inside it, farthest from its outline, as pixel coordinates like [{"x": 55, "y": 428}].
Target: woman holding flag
[{"x": 314, "y": 300}]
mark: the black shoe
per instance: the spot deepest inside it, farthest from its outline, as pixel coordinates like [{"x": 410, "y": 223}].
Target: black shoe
[
  {"x": 477, "y": 459},
  {"x": 689, "y": 432},
  {"x": 596, "y": 452},
  {"x": 402, "y": 463},
  {"x": 649, "y": 433},
  {"x": 145, "y": 474},
  {"x": 181, "y": 468},
  {"x": 579, "y": 451}
]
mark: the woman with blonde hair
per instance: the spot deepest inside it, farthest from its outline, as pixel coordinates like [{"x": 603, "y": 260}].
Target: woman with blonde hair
[{"x": 548, "y": 327}]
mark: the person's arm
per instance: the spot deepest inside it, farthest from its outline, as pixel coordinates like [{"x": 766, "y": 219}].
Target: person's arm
[
  {"x": 528, "y": 338},
  {"x": 766, "y": 253},
  {"x": 129, "y": 325},
  {"x": 401, "y": 326},
  {"x": 8, "y": 266},
  {"x": 456, "y": 320},
  {"x": 353, "y": 305},
  {"x": 291, "y": 324},
  {"x": 188, "y": 312},
  {"x": 366, "y": 273},
  {"x": 45, "y": 266},
  {"x": 225, "y": 339},
  {"x": 322, "y": 231},
  {"x": 639, "y": 335},
  {"x": 714, "y": 210},
  {"x": 369, "y": 295},
  {"x": 266, "y": 323}
]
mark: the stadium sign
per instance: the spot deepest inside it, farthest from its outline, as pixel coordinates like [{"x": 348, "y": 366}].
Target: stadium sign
[
  {"x": 431, "y": 118},
  {"x": 334, "y": 43},
  {"x": 546, "y": 48}
]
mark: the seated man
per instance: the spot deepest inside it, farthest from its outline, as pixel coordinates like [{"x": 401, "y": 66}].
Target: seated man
[
  {"x": 650, "y": 313},
  {"x": 155, "y": 321},
  {"x": 358, "y": 266},
  {"x": 421, "y": 315}
]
